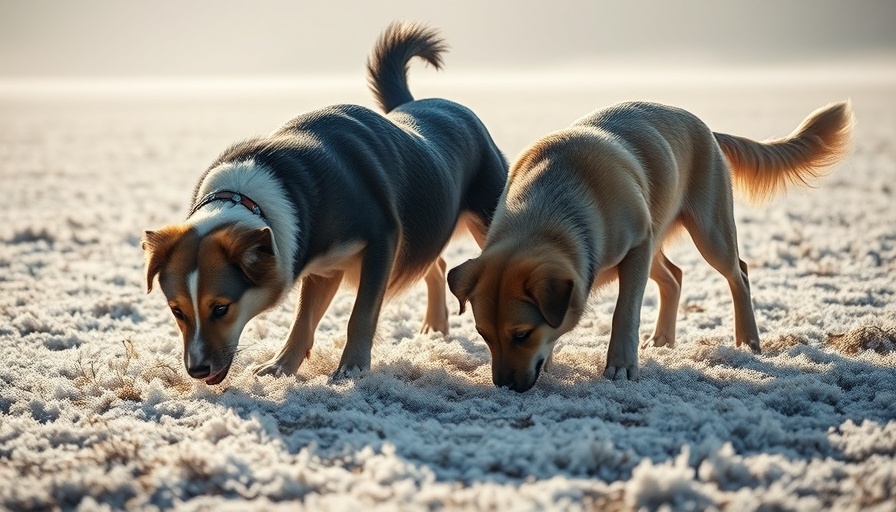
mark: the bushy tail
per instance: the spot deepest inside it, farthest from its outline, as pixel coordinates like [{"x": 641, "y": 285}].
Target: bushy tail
[
  {"x": 762, "y": 169},
  {"x": 387, "y": 67}
]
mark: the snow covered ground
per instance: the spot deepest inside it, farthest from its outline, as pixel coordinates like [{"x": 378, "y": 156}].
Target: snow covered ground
[{"x": 96, "y": 410}]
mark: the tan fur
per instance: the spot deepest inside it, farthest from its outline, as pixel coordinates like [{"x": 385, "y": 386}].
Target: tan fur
[
  {"x": 176, "y": 252},
  {"x": 158, "y": 247},
  {"x": 596, "y": 201},
  {"x": 820, "y": 141}
]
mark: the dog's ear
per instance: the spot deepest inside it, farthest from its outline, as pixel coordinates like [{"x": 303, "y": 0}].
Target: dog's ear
[
  {"x": 462, "y": 279},
  {"x": 253, "y": 251},
  {"x": 157, "y": 246},
  {"x": 551, "y": 287}
]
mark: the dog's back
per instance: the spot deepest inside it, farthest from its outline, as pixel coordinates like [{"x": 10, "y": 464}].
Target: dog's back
[
  {"x": 656, "y": 134},
  {"x": 674, "y": 158},
  {"x": 630, "y": 164},
  {"x": 450, "y": 133},
  {"x": 446, "y": 138}
]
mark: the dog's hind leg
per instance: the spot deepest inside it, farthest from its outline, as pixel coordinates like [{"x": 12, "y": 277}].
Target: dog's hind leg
[
  {"x": 477, "y": 228},
  {"x": 668, "y": 278},
  {"x": 315, "y": 297},
  {"x": 745, "y": 329},
  {"x": 715, "y": 235},
  {"x": 436, "y": 308}
]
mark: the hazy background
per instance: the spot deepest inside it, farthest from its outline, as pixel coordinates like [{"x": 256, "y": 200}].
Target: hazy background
[
  {"x": 167, "y": 38},
  {"x": 110, "y": 110}
]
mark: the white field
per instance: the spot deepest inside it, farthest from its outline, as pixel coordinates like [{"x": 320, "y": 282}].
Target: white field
[{"x": 97, "y": 411}]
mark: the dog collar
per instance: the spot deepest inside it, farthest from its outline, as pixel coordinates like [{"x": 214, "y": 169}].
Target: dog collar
[{"x": 233, "y": 197}]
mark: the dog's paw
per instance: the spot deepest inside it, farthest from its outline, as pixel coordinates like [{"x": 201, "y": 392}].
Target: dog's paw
[
  {"x": 622, "y": 372},
  {"x": 346, "y": 373},
  {"x": 275, "y": 368},
  {"x": 352, "y": 364},
  {"x": 752, "y": 344},
  {"x": 658, "y": 341},
  {"x": 435, "y": 326}
]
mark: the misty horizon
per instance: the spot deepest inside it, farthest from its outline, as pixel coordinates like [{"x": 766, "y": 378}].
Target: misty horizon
[{"x": 277, "y": 38}]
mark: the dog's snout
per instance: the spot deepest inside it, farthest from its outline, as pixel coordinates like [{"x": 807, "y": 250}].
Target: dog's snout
[
  {"x": 524, "y": 387},
  {"x": 502, "y": 379},
  {"x": 195, "y": 360},
  {"x": 519, "y": 388},
  {"x": 199, "y": 371},
  {"x": 511, "y": 383}
]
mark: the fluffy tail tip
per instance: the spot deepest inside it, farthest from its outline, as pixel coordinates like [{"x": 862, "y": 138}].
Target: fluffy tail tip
[
  {"x": 822, "y": 140},
  {"x": 387, "y": 65},
  {"x": 833, "y": 126}
]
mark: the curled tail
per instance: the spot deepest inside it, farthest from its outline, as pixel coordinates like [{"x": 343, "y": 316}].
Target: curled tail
[
  {"x": 762, "y": 169},
  {"x": 387, "y": 66}
]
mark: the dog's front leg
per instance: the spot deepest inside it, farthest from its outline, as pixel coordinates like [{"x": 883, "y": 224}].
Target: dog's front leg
[
  {"x": 376, "y": 267},
  {"x": 314, "y": 299},
  {"x": 622, "y": 355}
]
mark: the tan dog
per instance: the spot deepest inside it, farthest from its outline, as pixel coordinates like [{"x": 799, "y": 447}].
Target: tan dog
[
  {"x": 596, "y": 201},
  {"x": 341, "y": 193}
]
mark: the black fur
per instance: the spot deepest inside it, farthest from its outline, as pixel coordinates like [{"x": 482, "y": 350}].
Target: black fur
[
  {"x": 398, "y": 183},
  {"x": 387, "y": 68},
  {"x": 352, "y": 174}
]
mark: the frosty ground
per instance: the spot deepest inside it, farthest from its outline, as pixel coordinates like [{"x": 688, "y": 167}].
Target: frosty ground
[{"x": 97, "y": 411}]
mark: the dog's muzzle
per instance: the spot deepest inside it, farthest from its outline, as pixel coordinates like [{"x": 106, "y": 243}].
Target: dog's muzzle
[{"x": 508, "y": 381}]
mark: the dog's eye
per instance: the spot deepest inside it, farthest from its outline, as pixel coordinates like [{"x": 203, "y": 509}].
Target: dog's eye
[
  {"x": 176, "y": 311},
  {"x": 220, "y": 310},
  {"x": 520, "y": 336}
]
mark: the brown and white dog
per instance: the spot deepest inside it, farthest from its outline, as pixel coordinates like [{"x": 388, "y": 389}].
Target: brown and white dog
[
  {"x": 597, "y": 200},
  {"x": 342, "y": 193}
]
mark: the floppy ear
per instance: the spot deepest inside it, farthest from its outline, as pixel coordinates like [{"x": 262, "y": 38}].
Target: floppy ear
[
  {"x": 157, "y": 246},
  {"x": 551, "y": 289},
  {"x": 253, "y": 251},
  {"x": 462, "y": 279}
]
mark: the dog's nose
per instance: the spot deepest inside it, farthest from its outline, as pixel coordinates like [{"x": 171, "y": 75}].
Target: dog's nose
[
  {"x": 199, "y": 371},
  {"x": 504, "y": 382},
  {"x": 512, "y": 384}
]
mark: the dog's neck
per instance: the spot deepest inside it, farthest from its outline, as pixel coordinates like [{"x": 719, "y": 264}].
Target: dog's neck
[
  {"x": 228, "y": 195},
  {"x": 250, "y": 180}
]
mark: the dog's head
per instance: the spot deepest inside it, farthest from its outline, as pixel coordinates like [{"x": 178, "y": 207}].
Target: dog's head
[
  {"x": 521, "y": 303},
  {"x": 214, "y": 285}
]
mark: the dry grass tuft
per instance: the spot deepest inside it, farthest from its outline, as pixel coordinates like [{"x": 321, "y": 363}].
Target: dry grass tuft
[
  {"x": 783, "y": 342},
  {"x": 870, "y": 337},
  {"x": 124, "y": 376},
  {"x": 127, "y": 390},
  {"x": 170, "y": 375},
  {"x": 613, "y": 501}
]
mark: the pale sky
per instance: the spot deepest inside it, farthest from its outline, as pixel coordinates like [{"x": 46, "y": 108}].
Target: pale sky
[{"x": 129, "y": 38}]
